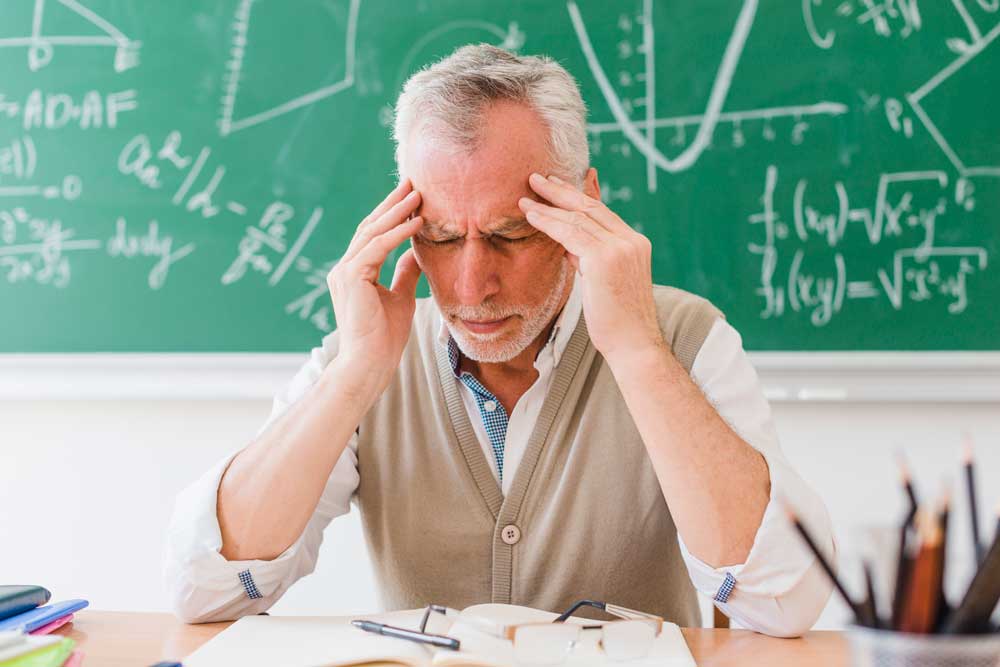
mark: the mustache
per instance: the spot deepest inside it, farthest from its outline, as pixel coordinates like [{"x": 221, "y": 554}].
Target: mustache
[{"x": 485, "y": 311}]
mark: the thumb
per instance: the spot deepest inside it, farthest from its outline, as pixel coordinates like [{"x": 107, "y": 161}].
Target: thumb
[{"x": 406, "y": 275}]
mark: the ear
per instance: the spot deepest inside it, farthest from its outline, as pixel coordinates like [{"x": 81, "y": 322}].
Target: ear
[{"x": 591, "y": 186}]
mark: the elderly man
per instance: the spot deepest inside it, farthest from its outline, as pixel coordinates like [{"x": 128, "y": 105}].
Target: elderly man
[{"x": 549, "y": 426}]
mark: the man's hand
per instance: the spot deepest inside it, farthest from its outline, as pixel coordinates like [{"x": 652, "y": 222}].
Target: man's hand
[
  {"x": 717, "y": 515},
  {"x": 614, "y": 262},
  {"x": 297, "y": 453},
  {"x": 374, "y": 322}
]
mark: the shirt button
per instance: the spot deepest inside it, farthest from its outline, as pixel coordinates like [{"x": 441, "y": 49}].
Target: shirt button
[
  {"x": 490, "y": 406},
  {"x": 510, "y": 534}
]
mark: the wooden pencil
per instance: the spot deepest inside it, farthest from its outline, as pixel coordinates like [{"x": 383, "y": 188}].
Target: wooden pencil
[
  {"x": 907, "y": 480},
  {"x": 871, "y": 603},
  {"x": 970, "y": 486},
  {"x": 923, "y": 588},
  {"x": 903, "y": 568},
  {"x": 859, "y": 614},
  {"x": 944, "y": 516},
  {"x": 903, "y": 560}
]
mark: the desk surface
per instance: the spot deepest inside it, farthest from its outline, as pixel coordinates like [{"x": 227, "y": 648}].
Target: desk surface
[{"x": 120, "y": 639}]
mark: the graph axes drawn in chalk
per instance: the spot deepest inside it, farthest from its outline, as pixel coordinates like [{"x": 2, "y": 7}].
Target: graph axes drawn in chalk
[
  {"x": 41, "y": 46},
  {"x": 641, "y": 133},
  {"x": 228, "y": 123}
]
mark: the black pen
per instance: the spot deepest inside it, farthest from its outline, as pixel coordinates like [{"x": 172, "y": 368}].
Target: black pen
[
  {"x": 970, "y": 486},
  {"x": 411, "y": 635}
]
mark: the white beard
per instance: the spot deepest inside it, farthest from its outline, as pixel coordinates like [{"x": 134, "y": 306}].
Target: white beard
[{"x": 503, "y": 346}]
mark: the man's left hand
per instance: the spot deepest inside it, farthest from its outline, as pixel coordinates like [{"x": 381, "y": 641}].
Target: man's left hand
[{"x": 613, "y": 260}]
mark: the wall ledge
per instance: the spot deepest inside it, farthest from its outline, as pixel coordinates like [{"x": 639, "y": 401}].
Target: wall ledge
[{"x": 880, "y": 377}]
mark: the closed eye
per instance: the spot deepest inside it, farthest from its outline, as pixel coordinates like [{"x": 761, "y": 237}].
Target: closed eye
[
  {"x": 493, "y": 238},
  {"x": 443, "y": 240},
  {"x": 506, "y": 239}
]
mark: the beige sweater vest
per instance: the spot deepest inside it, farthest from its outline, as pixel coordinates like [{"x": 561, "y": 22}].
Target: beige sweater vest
[{"x": 585, "y": 516}]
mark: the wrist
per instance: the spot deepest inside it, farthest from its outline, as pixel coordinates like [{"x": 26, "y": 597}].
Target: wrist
[
  {"x": 354, "y": 382},
  {"x": 640, "y": 361}
]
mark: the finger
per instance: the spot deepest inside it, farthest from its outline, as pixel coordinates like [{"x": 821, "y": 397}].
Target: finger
[
  {"x": 402, "y": 189},
  {"x": 569, "y": 219},
  {"x": 573, "y": 237},
  {"x": 407, "y": 274},
  {"x": 563, "y": 195},
  {"x": 369, "y": 259},
  {"x": 391, "y": 218}
]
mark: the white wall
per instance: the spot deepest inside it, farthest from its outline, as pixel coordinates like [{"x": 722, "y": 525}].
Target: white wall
[{"x": 86, "y": 488}]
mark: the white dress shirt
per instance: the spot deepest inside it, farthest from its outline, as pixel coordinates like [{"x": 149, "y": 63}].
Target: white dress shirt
[{"x": 779, "y": 590}]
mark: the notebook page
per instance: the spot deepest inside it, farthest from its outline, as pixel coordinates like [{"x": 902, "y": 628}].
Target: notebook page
[{"x": 290, "y": 641}]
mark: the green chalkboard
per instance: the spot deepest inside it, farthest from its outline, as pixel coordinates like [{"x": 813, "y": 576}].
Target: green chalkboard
[{"x": 179, "y": 176}]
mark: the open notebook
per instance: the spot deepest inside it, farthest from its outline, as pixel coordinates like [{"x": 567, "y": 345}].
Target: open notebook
[{"x": 307, "y": 641}]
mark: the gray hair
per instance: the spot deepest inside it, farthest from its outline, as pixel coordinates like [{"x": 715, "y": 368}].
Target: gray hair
[{"x": 448, "y": 98}]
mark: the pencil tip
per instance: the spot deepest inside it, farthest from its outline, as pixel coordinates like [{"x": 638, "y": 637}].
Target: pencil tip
[
  {"x": 786, "y": 508},
  {"x": 904, "y": 468},
  {"x": 967, "y": 453},
  {"x": 945, "y": 492},
  {"x": 944, "y": 507}
]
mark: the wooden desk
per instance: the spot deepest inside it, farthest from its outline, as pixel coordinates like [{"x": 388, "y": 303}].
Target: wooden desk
[{"x": 123, "y": 639}]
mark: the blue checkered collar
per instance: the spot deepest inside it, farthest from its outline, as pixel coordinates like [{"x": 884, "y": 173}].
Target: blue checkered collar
[{"x": 561, "y": 333}]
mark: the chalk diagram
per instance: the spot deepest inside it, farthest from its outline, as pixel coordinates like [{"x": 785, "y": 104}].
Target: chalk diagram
[
  {"x": 443, "y": 40},
  {"x": 969, "y": 51},
  {"x": 41, "y": 46},
  {"x": 228, "y": 121},
  {"x": 511, "y": 39},
  {"x": 641, "y": 133}
]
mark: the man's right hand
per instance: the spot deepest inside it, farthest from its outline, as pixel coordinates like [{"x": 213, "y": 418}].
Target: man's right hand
[{"x": 373, "y": 323}]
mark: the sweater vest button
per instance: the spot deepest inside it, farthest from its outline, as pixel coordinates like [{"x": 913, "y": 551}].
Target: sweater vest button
[{"x": 510, "y": 534}]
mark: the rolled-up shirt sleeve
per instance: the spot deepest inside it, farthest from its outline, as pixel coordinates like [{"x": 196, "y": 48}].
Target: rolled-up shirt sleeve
[
  {"x": 202, "y": 585},
  {"x": 780, "y": 588}
]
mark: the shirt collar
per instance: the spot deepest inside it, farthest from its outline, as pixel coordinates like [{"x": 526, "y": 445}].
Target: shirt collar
[{"x": 563, "y": 330}]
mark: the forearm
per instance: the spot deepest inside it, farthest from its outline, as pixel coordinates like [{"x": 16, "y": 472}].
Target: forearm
[
  {"x": 716, "y": 485},
  {"x": 271, "y": 488}
]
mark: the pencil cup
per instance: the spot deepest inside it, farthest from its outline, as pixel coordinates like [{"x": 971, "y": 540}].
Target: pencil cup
[{"x": 883, "y": 648}]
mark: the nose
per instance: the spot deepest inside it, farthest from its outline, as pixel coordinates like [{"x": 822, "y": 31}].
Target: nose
[{"x": 477, "y": 278}]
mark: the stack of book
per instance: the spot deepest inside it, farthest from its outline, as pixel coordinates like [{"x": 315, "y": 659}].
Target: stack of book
[{"x": 26, "y": 626}]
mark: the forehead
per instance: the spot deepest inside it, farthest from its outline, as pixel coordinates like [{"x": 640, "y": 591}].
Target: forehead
[{"x": 461, "y": 188}]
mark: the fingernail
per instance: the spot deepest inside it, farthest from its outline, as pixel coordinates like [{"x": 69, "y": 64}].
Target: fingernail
[{"x": 537, "y": 177}]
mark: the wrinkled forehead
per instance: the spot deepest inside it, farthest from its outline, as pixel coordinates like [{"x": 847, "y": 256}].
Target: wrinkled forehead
[{"x": 461, "y": 186}]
